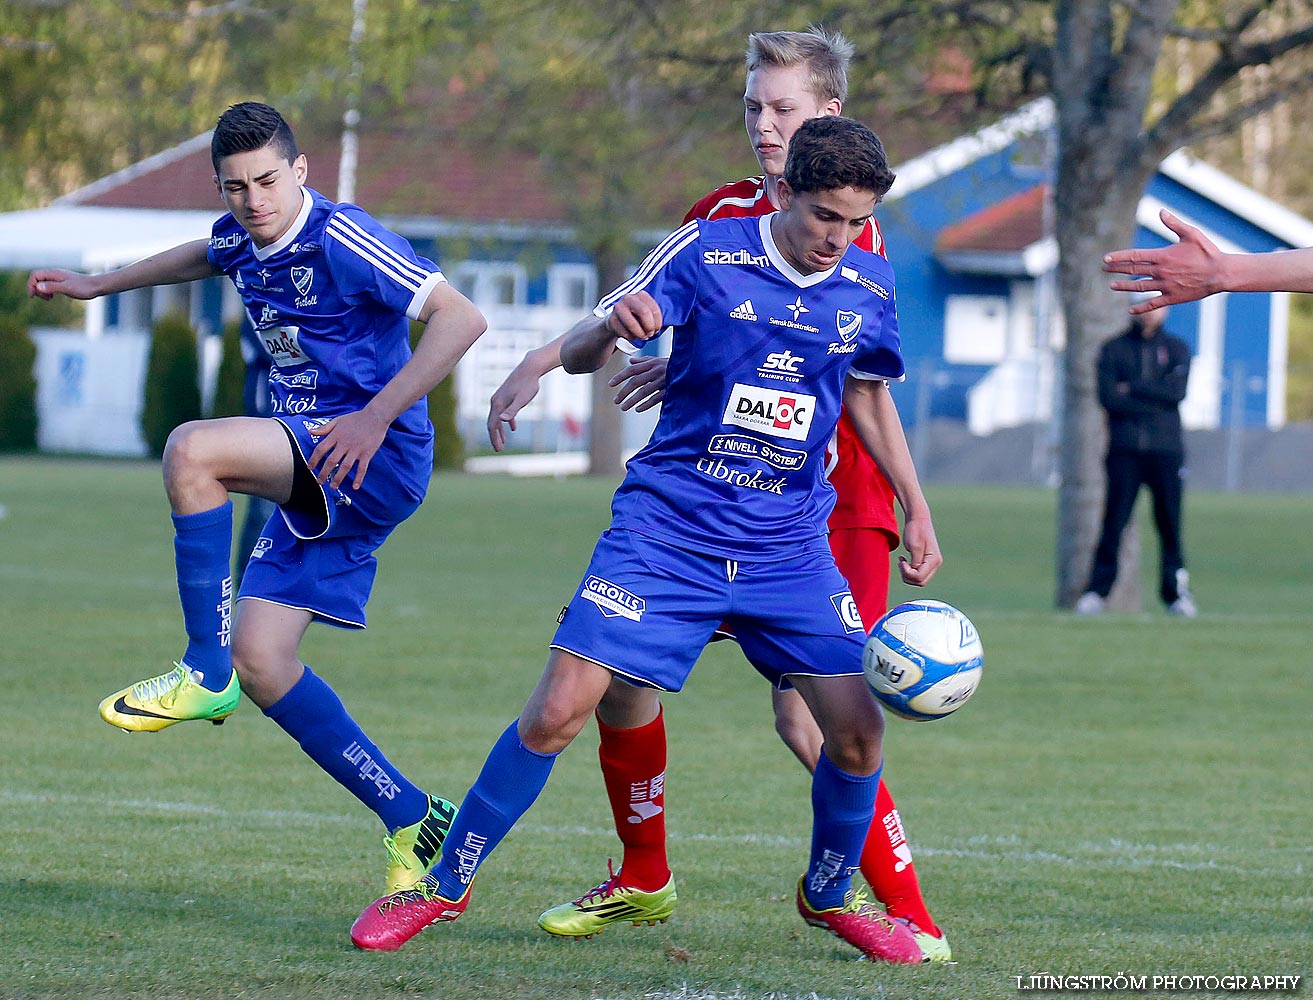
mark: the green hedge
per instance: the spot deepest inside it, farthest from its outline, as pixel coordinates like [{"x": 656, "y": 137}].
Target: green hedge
[
  {"x": 173, "y": 394},
  {"x": 17, "y": 386},
  {"x": 231, "y": 380},
  {"x": 448, "y": 445}
]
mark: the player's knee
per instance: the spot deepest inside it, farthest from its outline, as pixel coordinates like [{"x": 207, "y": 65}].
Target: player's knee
[
  {"x": 183, "y": 452},
  {"x": 857, "y": 751},
  {"x": 625, "y": 706},
  {"x": 803, "y": 740},
  {"x": 548, "y": 726},
  {"x": 247, "y": 664},
  {"x": 854, "y": 758},
  {"x": 264, "y": 675}
]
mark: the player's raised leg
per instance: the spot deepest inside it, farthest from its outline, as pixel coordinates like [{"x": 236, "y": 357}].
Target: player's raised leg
[
  {"x": 203, "y": 462},
  {"x": 513, "y": 775},
  {"x": 632, "y": 753},
  {"x": 843, "y": 800}
]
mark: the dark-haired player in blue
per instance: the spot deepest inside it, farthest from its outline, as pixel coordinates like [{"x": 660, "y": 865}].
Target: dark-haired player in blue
[
  {"x": 722, "y": 518},
  {"x": 347, "y": 456}
]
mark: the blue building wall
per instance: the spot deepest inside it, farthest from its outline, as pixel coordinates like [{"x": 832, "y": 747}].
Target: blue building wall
[{"x": 912, "y": 223}]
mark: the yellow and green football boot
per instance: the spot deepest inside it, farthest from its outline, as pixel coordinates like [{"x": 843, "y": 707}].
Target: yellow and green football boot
[
  {"x": 609, "y": 903},
  {"x": 158, "y": 702},
  {"x": 934, "y": 947},
  {"x": 413, "y": 849}
]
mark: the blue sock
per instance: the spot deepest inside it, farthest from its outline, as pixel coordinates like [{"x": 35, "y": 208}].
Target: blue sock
[
  {"x": 842, "y": 805},
  {"x": 313, "y": 715},
  {"x": 202, "y": 546},
  {"x": 510, "y": 781}
]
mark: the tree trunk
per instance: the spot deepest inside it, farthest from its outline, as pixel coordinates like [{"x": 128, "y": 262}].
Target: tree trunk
[
  {"x": 1101, "y": 92},
  {"x": 1093, "y": 313}
]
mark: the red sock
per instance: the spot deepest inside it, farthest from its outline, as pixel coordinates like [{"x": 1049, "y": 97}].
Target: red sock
[
  {"x": 887, "y": 865},
  {"x": 634, "y": 768}
]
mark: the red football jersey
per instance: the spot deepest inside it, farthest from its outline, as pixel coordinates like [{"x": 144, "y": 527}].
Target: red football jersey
[{"x": 865, "y": 498}]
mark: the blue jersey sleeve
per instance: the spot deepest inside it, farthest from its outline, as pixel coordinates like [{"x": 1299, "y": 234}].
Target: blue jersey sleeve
[
  {"x": 884, "y": 358},
  {"x": 368, "y": 261},
  {"x": 228, "y": 242},
  {"x": 669, "y": 274}
]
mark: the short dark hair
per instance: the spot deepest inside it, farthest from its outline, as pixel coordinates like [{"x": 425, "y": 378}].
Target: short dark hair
[
  {"x": 834, "y": 152},
  {"x": 249, "y": 126}
]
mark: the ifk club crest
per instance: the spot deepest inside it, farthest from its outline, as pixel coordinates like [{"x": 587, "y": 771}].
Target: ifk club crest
[
  {"x": 849, "y": 324},
  {"x": 303, "y": 278}
]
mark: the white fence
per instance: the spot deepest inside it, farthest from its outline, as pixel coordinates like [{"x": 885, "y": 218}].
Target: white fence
[
  {"x": 557, "y": 418},
  {"x": 89, "y": 392}
]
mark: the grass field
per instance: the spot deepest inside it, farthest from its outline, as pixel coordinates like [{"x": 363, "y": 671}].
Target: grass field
[{"x": 1128, "y": 795}]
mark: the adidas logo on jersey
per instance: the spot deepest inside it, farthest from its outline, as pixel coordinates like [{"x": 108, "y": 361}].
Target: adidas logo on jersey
[{"x": 743, "y": 311}]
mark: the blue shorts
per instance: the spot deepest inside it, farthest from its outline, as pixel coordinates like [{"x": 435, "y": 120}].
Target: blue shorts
[
  {"x": 645, "y": 610},
  {"x": 317, "y": 552}
]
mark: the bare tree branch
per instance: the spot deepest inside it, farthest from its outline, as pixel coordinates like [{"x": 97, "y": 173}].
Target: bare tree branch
[
  {"x": 247, "y": 7},
  {"x": 26, "y": 44},
  {"x": 1175, "y": 123},
  {"x": 1224, "y": 124}
]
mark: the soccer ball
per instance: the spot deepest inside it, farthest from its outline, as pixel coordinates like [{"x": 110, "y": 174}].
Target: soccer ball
[{"x": 923, "y": 660}]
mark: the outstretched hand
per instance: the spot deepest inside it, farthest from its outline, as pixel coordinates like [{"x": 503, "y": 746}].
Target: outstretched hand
[
  {"x": 1187, "y": 270},
  {"x": 642, "y": 383},
  {"x": 511, "y": 397}
]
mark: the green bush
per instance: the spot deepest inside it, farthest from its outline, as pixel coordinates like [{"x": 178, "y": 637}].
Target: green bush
[
  {"x": 231, "y": 379},
  {"x": 173, "y": 394},
  {"x": 17, "y": 386},
  {"x": 448, "y": 446}
]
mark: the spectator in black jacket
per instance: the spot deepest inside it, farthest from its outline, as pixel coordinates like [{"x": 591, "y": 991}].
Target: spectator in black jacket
[{"x": 1142, "y": 378}]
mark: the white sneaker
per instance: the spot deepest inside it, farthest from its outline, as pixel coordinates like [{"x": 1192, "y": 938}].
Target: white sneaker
[
  {"x": 1089, "y": 605},
  {"x": 1183, "y": 607}
]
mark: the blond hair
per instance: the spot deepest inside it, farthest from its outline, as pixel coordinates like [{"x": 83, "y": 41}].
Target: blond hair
[{"x": 825, "y": 55}]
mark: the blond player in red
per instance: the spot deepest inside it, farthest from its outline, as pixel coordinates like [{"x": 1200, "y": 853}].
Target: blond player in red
[{"x": 792, "y": 76}]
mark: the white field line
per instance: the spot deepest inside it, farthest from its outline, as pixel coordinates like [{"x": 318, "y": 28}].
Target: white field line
[{"x": 1113, "y": 853}]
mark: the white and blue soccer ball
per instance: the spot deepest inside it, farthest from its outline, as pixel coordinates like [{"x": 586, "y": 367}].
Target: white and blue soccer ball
[{"x": 923, "y": 660}]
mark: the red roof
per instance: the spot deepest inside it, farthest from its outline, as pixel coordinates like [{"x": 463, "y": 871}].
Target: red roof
[
  {"x": 1009, "y": 226},
  {"x": 401, "y": 173},
  {"x": 423, "y": 162}
]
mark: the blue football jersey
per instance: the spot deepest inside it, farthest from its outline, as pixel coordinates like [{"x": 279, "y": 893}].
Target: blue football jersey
[
  {"x": 759, "y": 356},
  {"x": 331, "y": 302}
]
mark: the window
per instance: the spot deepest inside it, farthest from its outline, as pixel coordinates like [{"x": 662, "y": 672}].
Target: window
[
  {"x": 572, "y": 287},
  {"x": 489, "y": 283},
  {"x": 975, "y": 329}
]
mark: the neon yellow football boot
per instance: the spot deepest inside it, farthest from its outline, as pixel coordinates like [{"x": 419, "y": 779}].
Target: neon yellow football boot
[
  {"x": 158, "y": 702},
  {"x": 609, "y": 903},
  {"x": 413, "y": 849},
  {"x": 934, "y": 948}
]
